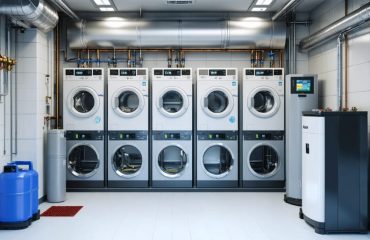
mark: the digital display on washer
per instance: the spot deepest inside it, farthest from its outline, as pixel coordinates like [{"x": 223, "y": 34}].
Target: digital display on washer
[
  {"x": 263, "y": 72},
  {"x": 97, "y": 72},
  {"x": 127, "y": 72},
  {"x": 83, "y": 72},
  {"x": 171, "y": 72},
  {"x": 70, "y": 72},
  {"x": 113, "y": 72},
  {"x": 217, "y": 72},
  {"x": 302, "y": 85}
]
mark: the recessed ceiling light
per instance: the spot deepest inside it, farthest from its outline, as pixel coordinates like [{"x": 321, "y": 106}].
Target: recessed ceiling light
[
  {"x": 102, "y": 2},
  {"x": 264, "y": 2},
  {"x": 259, "y": 9},
  {"x": 106, "y": 9}
]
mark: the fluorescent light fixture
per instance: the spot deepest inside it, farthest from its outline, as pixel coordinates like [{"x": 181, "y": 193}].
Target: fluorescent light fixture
[
  {"x": 102, "y": 2},
  {"x": 263, "y": 2},
  {"x": 106, "y": 9},
  {"x": 259, "y": 9}
]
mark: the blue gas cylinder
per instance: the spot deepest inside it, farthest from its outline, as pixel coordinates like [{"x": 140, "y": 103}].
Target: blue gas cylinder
[
  {"x": 34, "y": 187},
  {"x": 15, "y": 198}
]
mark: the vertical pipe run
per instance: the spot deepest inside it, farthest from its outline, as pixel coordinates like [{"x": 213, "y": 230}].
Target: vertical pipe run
[
  {"x": 346, "y": 61},
  {"x": 340, "y": 71}
]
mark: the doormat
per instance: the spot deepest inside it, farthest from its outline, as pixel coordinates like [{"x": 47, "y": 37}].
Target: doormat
[{"x": 61, "y": 211}]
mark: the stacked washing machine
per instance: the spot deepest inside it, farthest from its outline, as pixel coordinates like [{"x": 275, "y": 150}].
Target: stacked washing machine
[
  {"x": 217, "y": 127},
  {"x": 83, "y": 119},
  {"x": 172, "y": 125},
  {"x": 263, "y": 128},
  {"x": 128, "y": 125}
]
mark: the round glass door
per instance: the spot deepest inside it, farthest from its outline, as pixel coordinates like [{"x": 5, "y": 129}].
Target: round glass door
[
  {"x": 218, "y": 102},
  {"x": 173, "y": 102},
  {"x": 83, "y": 102},
  {"x": 128, "y": 102},
  {"x": 264, "y": 102},
  {"x": 127, "y": 161},
  {"x": 83, "y": 161},
  {"x": 172, "y": 161},
  {"x": 263, "y": 161},
  {"x": 217, "y": 161}
]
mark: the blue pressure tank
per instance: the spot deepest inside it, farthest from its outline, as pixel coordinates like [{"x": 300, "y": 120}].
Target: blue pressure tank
[
  {"x": 15, "y": 198},
  {"x": 34, "y": 188}
]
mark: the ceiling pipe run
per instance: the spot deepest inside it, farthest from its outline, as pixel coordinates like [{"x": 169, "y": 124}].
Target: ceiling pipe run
[
  {"x": 332, "y": 31},
  {"x": 248, "y": 33},
  {"x": 35, "y": 12},
  {"x": 67, "y": 10},
  {"x": 291, "y": 4}
]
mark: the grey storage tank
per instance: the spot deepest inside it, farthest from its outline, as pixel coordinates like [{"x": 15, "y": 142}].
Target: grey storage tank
[{"x": 56, "y": 166}]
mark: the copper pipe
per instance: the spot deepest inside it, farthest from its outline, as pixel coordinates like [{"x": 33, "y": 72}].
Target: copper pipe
[
  {"x": 281, "y": 54},
  {"x": 346, "y": 61},
  {"x": 184, "y": 49},
  {"x": 57, "y": 67}
]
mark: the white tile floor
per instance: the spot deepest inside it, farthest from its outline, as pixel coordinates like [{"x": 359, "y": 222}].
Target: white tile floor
[{"x": 175, "y": 216}]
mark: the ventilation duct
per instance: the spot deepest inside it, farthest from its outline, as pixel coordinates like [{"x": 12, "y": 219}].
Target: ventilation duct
[
  {"x": 34, "y": 12},
  {"x": 249, "y": 33}
]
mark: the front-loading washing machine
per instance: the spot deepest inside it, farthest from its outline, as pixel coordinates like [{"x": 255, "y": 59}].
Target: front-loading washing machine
[
  {"x": 263, "y": 128},
  {"x": 172, "y": 126},
  {"x": 83, "y": 99},
  {"x": 85, "y": 159},
  {"x": 128, "y": 124},
  {"x": 264, "y": 159},
  {"x": 217, "y": 127},
  {"x": 263, "y": 99}
]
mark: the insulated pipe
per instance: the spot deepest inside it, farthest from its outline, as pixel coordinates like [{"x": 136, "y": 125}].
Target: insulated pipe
[
  {"x": 346, "y": 23},
  {"x": 285, "y": 9},
  {"x": 36, "y": 12},
  {"x": 249, "y": 33}
]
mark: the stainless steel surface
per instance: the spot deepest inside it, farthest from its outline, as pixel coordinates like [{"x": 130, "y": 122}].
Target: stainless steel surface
[
  {"x": 250, "y": 33},
  {"x": 36, "y": 12},
  {"x": 353, "y": 19},
  {"x": 287, "y": 7},
  {"x": 66, "y": 9}
]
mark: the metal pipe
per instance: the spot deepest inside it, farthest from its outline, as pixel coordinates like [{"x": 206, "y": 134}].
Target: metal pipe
[
  {"x": 248, "y": 33},
  {"x": 15, "y": 96},
  {"x": 57, "y": 69},
  {"x": 67, "y": 10},
  {"x": 36, "y": 12},
  {"x": 340, "y": 71},
  {"x": 346, "y": 61},
  {"x": 285, "y": 9},
  {"x": 10, "y": 95},
  {"x": 357, "y": 17}
]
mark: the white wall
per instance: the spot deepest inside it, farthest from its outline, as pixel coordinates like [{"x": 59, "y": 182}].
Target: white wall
[{"x": 323, "y": 60}]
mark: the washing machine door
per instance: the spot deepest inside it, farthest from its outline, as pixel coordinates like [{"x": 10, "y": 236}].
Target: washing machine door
[
  {"x": 172, "y": 161},
  {"x": 127, "y": 102},
  {"x": 127, "y": 161},
  {"x": 83, "y": 102},
  {"x": 83, "y": 160},
  {"x": 172, "y": 102},
  {"x": 263, "y": 161},
  {"x": 263, "y": 102},
  {"x": 217, "y": 161},
  {"x": 217, "y": 102}
]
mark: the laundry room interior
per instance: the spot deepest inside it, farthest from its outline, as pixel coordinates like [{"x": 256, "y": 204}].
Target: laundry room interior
[{"x": 184, "y": 119}]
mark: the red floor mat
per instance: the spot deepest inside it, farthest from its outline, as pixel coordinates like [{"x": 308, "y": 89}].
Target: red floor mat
[{"x": 61, "y": 211}]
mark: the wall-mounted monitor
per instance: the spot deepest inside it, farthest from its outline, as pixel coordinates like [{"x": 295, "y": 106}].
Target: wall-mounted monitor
[{"x": 302, "y": 85}]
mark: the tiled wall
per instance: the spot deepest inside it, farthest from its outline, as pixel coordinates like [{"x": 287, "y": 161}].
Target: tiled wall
[
  {"x": 323, "y": 60},
  {"x": 32, "y": 62}
]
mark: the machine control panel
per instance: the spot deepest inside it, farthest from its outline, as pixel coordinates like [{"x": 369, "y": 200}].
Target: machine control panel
[
  {"x": 140, "y": 74},
  {"x": 263, "y": 74},
  {"x": 83, "y": 74},
  {"x": 302, "y": 85},
  {"x": 85, "y": 135},
  {"x": 215, "y": 135},
  {"x": 128, "y": 135},
  {"x": 168, "y": 135},
  {"x": 172, "y": 73},
  {"x": 227, "y": 74},
  {"x": 265, "y": 135}
]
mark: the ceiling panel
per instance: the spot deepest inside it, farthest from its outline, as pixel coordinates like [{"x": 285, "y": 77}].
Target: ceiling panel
[{"x": 160, "y": 5}]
